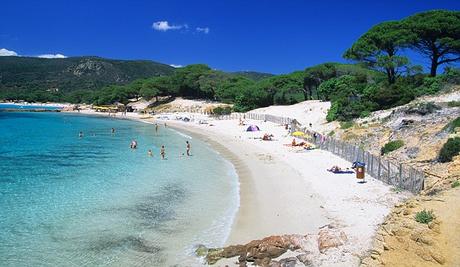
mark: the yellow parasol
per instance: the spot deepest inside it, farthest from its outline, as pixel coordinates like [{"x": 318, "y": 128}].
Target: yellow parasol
[{"x": 298, "y": 133}]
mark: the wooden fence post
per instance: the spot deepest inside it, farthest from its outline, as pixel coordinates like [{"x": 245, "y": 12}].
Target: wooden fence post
[{"x": 400, "y": 175}]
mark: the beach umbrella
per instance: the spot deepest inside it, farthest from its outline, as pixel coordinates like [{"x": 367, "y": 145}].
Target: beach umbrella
[
  {"x": 252, "y": 128},
  {"x": 298, "y": 133}
]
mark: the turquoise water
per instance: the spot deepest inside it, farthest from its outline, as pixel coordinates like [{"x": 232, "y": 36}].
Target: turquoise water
[
  {"x": 92, "y": 201},
  {"x": 28, "y": 107}
]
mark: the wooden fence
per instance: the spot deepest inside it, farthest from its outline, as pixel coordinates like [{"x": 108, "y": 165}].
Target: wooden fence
[{"x": 394, "y": 173}]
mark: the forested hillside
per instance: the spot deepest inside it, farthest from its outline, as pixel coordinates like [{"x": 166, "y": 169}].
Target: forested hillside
[
  {"x": 381, "y": 76},
  {"x": 42, "y": 79}
]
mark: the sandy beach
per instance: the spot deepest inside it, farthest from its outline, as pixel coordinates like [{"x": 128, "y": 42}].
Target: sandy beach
[{"x": 286, "y": 190}]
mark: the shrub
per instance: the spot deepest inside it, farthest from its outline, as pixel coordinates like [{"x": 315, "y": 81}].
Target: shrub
[
  {"x": 391, "y": 146},
  {"x": 453, "y": 124},
  {"x": 222, "y": 110},
  {"x": 423, "y": 108},
  {"x": 424, "y": 216},
  {"x": 365, "y": 113},
  {"x": 449, "y": 150},
  {"x": 331, "y": 133},
  {"x": 455, "y": 184},
  {"x": 332, "y": 112},
  {"x": 453, "y": 104},
  {"x": 346, "y": 124}
]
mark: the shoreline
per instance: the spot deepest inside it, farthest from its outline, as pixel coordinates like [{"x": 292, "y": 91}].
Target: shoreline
[{"x": 283, "y": 191}]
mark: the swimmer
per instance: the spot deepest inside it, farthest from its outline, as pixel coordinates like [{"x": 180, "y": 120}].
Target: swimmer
[
  {"x": 188, "y": 147},
  {"x": 133, "y": 144},
  {"x": 80, "y": 134},
  {"x": 162, "y": 152},
  {"x": 150, "y": 153}
]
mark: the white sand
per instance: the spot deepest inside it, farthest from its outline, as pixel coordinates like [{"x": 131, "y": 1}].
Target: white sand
[
  {"x": 275, "y": 201},
  {"x": 285, "y": 190},
  {"x": 306, "y": 112}
]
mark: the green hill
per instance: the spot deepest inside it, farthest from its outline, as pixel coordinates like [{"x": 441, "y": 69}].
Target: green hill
[
  {"x": 20, "y": 75},
  {"x": 252, "y": 75}
]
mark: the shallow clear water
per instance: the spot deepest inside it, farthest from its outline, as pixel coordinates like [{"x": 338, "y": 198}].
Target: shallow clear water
[
  {"x": 92, "y": 201},
  {"x": 27, "y": 107}
]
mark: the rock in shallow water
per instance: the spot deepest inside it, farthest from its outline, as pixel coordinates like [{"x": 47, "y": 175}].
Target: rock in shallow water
[{"x": 260, "y": 252}]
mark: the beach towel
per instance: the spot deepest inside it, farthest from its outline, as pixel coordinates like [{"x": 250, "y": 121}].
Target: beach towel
[{"x": 341, "y": 172}]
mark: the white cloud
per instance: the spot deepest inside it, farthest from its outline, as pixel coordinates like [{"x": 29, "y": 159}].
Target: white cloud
[
  {"x": 52, "y": 56},
  {"x": 176, "y": 66},
  {"x": 164, "y": 26},
  {"x": 5, "y": 52},
  {"x": 204, "y": 30}
]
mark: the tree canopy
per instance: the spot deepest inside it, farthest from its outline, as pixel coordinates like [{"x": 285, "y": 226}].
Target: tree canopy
[
  {"x": 436, "y": 35},
  {"x": 379, "y": 48}
]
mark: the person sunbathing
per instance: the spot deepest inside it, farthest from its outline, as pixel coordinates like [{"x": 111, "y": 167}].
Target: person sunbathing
[
  {"x": 267, "y": 137},
  {"x": 335, "y": 168}
]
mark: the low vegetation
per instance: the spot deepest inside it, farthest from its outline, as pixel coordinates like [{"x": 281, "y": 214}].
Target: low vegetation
[
  {"x": 453, "y": 125},
  {"x": 391, "y": 146},
  {"x": 449, "y": 150},
  {"x": 346, "y": 124},
  {"x": 455, "y": 184},
  {"x": 424, "y": 216},
  {"x": 222, "y": 110},
  {"x": 453, "y": 104}
]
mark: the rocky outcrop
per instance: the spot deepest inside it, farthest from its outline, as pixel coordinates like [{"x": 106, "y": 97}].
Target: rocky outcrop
[
  {"x": 270, "y": 250},
  {"x": 401, "y": 232},
  {"x": 330, "y": 237}
]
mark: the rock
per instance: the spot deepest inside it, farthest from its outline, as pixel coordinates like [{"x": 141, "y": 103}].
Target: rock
[
  {"x": 330, "y": 238},
  {"x": 438, "y": 257},
  {"x": 377, "y": 247},
  {"x": 288, "y": 262},
  {"x": 305, "y": 259},
  {"x": 214, "y": 254},
  {"x": 261, "y": 252},
  {"x": 368, "y": 262},
  {"x": 423, "y": 253},
  {"x": 201, "y": 251},
  {"x": 274, "y": 264}
]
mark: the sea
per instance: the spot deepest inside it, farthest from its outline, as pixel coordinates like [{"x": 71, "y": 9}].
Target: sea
[{"x": 93, "y": 201}]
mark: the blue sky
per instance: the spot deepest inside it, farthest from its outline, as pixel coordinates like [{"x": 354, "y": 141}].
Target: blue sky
[{"x": 267, "y": 36}]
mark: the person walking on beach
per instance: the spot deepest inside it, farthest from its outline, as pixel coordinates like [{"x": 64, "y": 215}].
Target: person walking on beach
[
  {"x": 162, "y": 152},
  {"x": 188, "y": 147}
]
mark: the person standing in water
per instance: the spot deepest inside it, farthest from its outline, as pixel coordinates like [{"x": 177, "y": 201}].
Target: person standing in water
[
  {"x": 150, "y": 153},
  {"x": 162, "y": 152},
  {"x": 133, "y": 144},
  {"x": 188, "y": 147},
  {"x": 113, "y": 130},
  {"x": 156, "y": 127}
]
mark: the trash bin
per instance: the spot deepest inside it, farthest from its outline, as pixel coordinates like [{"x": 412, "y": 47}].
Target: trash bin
[{"x": 360, "y": 168}]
